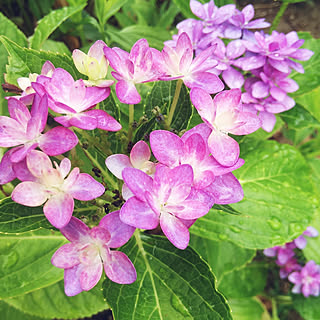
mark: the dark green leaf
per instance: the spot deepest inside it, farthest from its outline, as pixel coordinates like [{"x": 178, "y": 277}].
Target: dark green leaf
[
  {"x": 274, "y": 178},
  {"x": 184, "y": 7},
  {"x": 23, "y": 61},
  {"x": 50, "y": 23},
  {"x": 172, "y": 284},
  {"x": 9, "y": 313},
  {"x": 51, "y": 302},
  {"x": 309, "y": 308}
]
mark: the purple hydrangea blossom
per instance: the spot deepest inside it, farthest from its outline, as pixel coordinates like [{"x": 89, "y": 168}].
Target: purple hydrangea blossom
[
  {"x": 130, "y": 69},
  {"x": 301, "y": 241},
  {"x": 165, "y": 199},
  {"x": 240, "y": 21},
  {"x": 88, "y": 253},
  {"x": 94, "y": 65},
  {"x": 23, "y": 131},
  {"x": 211, "y": 180},
  {"x": 76, "y": 101},
  {"x": 307, "y": 280},
  {"x": 290, "y": 266},
  {"x": 178, "y": 63},
  {"x": 224, "y": 114},
  {"x": 49, "y": 185}
]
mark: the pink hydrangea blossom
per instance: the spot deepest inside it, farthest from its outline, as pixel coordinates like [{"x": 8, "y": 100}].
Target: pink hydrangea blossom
[
  {"x": 307, "y": 280},
  {"x": 178, "y": 63},
  {"x": 301, "y": 241},
  {"x": 73, "y": 99},
  {"x": 165, "y": 199},
  {"x": 224, "y": 114},
  {"x": 49, "y": 185},
  {"x": 89, "y": 252},
  {"x": 130, "y": 69},
  {"x": 23, "y": 131},
  {"x": 94, "y": 65}
]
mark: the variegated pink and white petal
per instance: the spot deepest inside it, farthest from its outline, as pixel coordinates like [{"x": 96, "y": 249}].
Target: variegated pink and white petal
[
  {"x": 86, "y": 188},
  {"x": 127, "y": 92},
  {"x": 65, "y": 167},
  {"x": 207, "y": 81},
  {"x": 195, "y": 148},
  {"x": 138, "y": 214},
  {"x": 38, "y": 163},
  {"x": 116, "y": 163},
  {"x": 119, "y": 231},
  {"x": 189, "y": 209},
  {"x": 175, "y": 230},
  {"x": 203, "y": 103},
  {"x": 18, "y": 111},
  {"x": 140, "y": 153},
  {"x": 137, "y": 181},
  {"x": 30, "y": 194},
  {"x": 120, "y": 269},
  {"x": 104, "y": 120},
  {"x": 39, "y": 112},
  {"x": 76, "y": 231},
  {"x": 58, "y": 140},
  {"x": 167, "y": 147},
  {"x": 224, "y": 148},
  {"x": 7, "y": 172},
  {"x": 66, "y": 256},
  {"x": 72, "y": 285},
  {"x": 90, "y": 276},
  {"x": 58, "y": 209},
  {"x": 227, "y": 101},
  {"x": 11, "y": 132},
  {"x": 84, "y": 121}
]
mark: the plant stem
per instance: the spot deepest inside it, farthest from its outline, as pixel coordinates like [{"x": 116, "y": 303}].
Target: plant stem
[
  {"x": 280, "y": 13},
  {"x": 274, "y": 309},
  {"x": 131, "y": 120},
  {"x": 174, "y": 102}
]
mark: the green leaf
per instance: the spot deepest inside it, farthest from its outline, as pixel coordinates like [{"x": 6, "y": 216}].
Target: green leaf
[
  {"x": 50, "y": 23},
  {"x": 129, "y": 35},
  {"x": 309, "y": 308},
  {"x": 310, "y": 79},
  {"x": 184, "y": 7},
  {"x": 161, "y": 96},
  {"x": 310, "y": 101},
  {"x": 9, "y": 29},
  {"x": 25, "y": 261},
  {"x": 245, "y": 282},
  {"x": 275, "y": 178},
  {"x": 104, "y": 9},
  {"x": 9, "y": 313},
  {"x": 23, "y": 61},
  {"x": 144, "y": 129},
  {"x": 247, "y": 309},
  {"x": 51, "y": 302},
  {"x": 172, "y": 284},
  {"x": 55, "y": 46},
  {"x": 15, "y": 218},
  {"x": 222, "y": 256}
]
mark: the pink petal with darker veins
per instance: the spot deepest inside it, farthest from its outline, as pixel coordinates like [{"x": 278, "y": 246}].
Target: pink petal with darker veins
[
  {"x": 58, "y": 209},
  {"x": 12, "y": 133},
  {"x": 119, "y": 231},
  {"x": 84, "y": 121},
  {"x": 207, "y": 81},
  {"x": 127, "y": 92},
  {"x": 86, "y": 188},
  {"x": 166, "y": 146},
  {"x": 39, "y": 112},
  {"x": 190, "y": 209},
  {"x": 116, "y": 163},
  {"x": 29, "y": 193},
  {"x": 72, "y": 285},
  {"x": 38, "y": 163},
  {"x": 58, "y": 140},
  {"x": 20, "y": 153},
  {"x": 7, "y": 172},
  {"x": 138, "y": 214},
  {"x": 93, "y": 96},
  {"x": 120, "y": 269},
  {"x": 104, "y": 120},
  {"x": 66, "y": 256},
  {"x": 203, "y": 103},
  {"x": 140, "y": 153},
  {"x": 18, "y": 111},
  {"x": 76, "y": 231},
  {"x": 90, "y": 276},
  {"x": 224, "y": 148},
  {"x": 175, "y": 230},
  {"x": 137, "y": 181}
]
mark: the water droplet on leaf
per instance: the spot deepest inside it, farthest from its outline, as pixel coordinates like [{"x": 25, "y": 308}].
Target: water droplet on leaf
[{"x": 275, "y": 223}]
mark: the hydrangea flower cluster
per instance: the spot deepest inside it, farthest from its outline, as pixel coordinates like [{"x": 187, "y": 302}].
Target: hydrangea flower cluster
[
  {"x": 190, "y": 173},
  {"x": 269, "y": 58},
  {"x": 306, "y": 279}
]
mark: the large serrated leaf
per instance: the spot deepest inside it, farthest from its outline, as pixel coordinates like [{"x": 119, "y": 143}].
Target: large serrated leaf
[
  {"x": 222, "y": 256},
  {"x": 51, "y": 302},
  {"x": 172, "y": 284},
  {"x": 16, "y": 218},
  {"x": 162, "y": 95},
  {"x": 25, "y": 261},
  {"x": 9, "y": 313},
  {"x": 248, "y": 309},
  {"x": 23, "y": 61},
  {"x": 50, "y": 23},
  {"x": 279, "y": 200}
]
